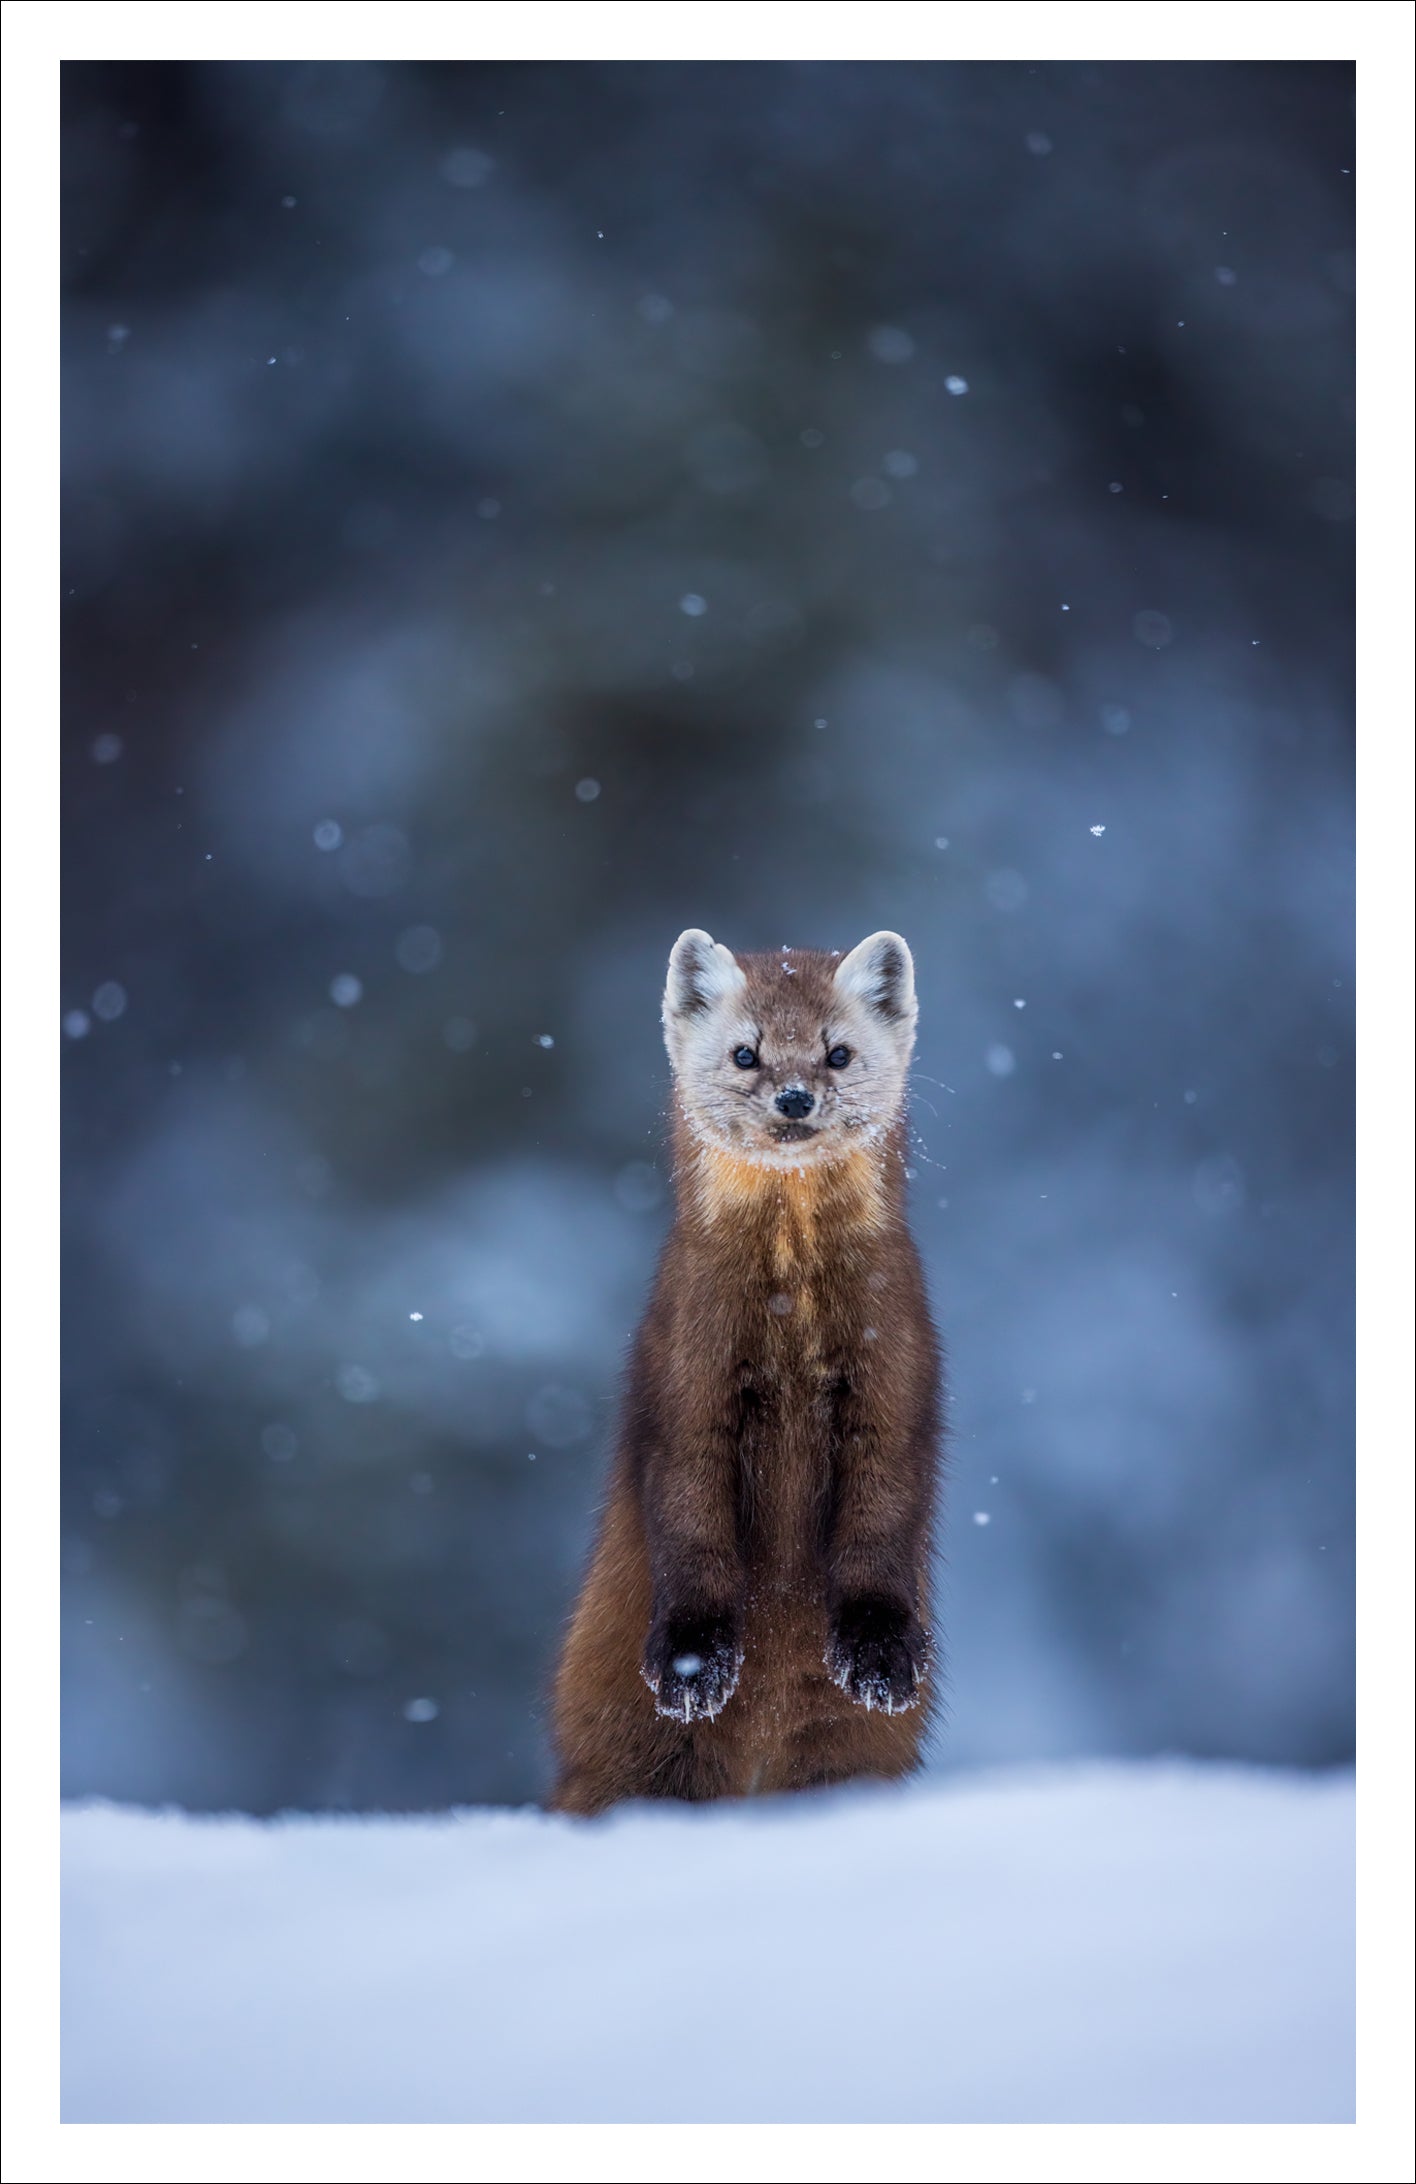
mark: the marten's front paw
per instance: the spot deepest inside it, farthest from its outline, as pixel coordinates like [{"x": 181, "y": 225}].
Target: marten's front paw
[
  {"x": 691, "y": 1665},
  {"x": 878, "y": 1653}
]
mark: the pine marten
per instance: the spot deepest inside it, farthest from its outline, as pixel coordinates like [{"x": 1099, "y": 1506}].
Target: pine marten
[{"x": 756, "y": 1613}]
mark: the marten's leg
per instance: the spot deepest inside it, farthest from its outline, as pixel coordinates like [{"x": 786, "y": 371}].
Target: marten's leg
[
  {"x": 690, "y": 1491},
  {"x": 849, "y": 1746},
  {"x": 657, "y": 1759},
  {"x": 878, "y": 1646},
  {"x": 615, "y": 1762},
  {"x": 611, "y": 1742}
]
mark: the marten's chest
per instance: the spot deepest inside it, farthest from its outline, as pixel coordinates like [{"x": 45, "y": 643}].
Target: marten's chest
[
  {"x": 802, "y": 1328},
  {"x": 809, "y": 1307},
  {"x": 792, "y": 1271},
  {"x": 810, "y": 1314}
]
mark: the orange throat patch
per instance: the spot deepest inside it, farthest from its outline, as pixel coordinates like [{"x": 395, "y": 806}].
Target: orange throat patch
[{"x": 838, "y": 1194}]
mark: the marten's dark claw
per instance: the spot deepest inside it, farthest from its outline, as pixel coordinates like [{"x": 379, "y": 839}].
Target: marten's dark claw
[
  {"x": 691, "y": 1664},
  {"x": 878, "y": 1654}
]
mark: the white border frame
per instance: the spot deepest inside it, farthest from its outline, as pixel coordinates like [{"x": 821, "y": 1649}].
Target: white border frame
[{"x": 1377, "y": 34}]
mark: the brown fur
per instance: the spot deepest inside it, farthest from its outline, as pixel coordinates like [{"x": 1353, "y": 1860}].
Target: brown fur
[{"x": 775, "y": 1474}]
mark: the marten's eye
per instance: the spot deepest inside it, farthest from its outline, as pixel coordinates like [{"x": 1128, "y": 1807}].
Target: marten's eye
[
  {"x": 745, "y": 1057},
  {"x": 838, "y": 1057}
]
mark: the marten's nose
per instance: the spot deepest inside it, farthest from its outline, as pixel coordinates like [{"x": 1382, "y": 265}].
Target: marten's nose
[{"x": 794, "y": 1103}]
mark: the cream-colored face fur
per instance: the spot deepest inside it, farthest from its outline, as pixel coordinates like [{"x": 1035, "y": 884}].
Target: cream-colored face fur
[{"x": 790, "y": 1011}]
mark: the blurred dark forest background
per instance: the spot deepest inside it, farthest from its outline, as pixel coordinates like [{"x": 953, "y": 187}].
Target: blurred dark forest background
[{"x": 514, "y": 512}]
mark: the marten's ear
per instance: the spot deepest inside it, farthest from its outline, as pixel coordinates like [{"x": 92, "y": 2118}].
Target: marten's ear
[
  {"x": 702, "y": 972},
  {"x": 880, "y": 972}
]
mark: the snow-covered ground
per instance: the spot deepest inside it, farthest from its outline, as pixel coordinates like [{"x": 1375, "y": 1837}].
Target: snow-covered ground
[{"x": 1161, "y": 1943}]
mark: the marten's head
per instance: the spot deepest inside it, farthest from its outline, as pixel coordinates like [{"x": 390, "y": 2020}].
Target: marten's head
[{"x": 792, "y": 1059}]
